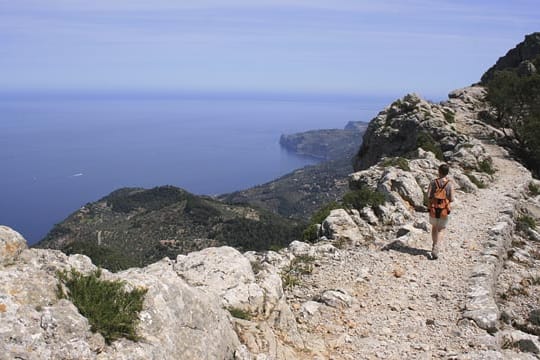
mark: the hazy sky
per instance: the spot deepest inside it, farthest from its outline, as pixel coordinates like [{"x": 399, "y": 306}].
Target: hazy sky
[{"x": 341, "y": 46}]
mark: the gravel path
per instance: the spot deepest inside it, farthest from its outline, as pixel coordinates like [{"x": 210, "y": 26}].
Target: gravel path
[{"x": 406, "y": 306}]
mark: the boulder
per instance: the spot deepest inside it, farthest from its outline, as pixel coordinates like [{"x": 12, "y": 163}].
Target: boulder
[
  {"x": 11, "y": 245},
  {"x": 225, "y": 272},
  {"x": 404, "y": 184},
  {"x": 340, "y": 226}
]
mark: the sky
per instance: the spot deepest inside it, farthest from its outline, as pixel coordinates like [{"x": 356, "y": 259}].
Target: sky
[{"x": 299, "y": 46}]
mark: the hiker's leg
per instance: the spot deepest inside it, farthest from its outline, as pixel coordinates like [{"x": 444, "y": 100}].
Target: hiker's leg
[
  {"x": 435, "y": 239},
  {"x": 440, "y": 238}
]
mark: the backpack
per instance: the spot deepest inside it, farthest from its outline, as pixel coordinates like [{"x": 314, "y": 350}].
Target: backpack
[{"x": 439, "y": 206}]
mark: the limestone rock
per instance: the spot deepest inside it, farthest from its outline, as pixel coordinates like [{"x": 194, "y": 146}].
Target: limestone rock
[
  {"x": 340, "y": 226},
  {"x": 225, "y": 272},
  {"x": 176, "y": 318},
  {"x": 403, "y": 127},
  {"x": 335, "y": 298},
  {"x": 405, "y": 185},
  {"x": 11, "y": 245}
]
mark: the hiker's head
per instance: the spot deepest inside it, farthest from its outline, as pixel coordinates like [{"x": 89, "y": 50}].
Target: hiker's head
[{"x": 443, "y": 170}]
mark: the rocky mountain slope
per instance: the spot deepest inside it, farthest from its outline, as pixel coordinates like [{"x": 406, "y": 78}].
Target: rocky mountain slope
[
  {"x": 365, "y": 290},
  {"x": 517, "y": 58}
]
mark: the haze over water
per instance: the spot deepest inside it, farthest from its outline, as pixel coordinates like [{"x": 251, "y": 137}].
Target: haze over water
[{"x": 60, "y": 152}]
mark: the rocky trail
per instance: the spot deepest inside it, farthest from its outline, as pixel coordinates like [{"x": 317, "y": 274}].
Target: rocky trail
[{"x": 398, "y": 304}]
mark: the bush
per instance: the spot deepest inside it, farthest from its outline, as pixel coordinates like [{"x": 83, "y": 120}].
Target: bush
[
  {"x": 358, "y": 199},
  {"x": 239, "y": 313},
  {"x": 525, "y": 222},
  {"x": 110, "y": 310},
  {"x": 480, "y": 184},
  {"x": 300, "y": 265},
  {"x": 449, "y": 116},
  {"x": 534, "y": 190},
  {"x": 426, "y": 142},
  {"x": 310, "y": 232},
  {"x": 323, "y": 213},
  {"x": 398, "y": 162},
  {"x": 486, "y": 166}
]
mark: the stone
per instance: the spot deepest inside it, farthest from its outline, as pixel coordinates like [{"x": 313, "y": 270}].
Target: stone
[
  {"x": 225, "y": 272},
  {"x": 339, "y": 226},
  {"x": 338, "y": 298},
  {"x": 310, "y": 308},
  {"x": 524, "y": 342},
  {"x": 11, "y": 245},
  {"x": 404, "y": 184}
]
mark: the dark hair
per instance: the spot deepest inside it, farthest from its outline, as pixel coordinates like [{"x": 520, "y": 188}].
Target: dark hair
[{"x": 444, "y": 169}]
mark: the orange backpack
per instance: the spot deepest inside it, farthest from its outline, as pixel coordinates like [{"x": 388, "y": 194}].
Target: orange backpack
[{"x": 439, "y": 206}]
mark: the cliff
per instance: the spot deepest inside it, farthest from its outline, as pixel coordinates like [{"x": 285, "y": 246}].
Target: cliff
[
  {"x": 519, "y": 57},
  {"x": 329, "y": 144}
]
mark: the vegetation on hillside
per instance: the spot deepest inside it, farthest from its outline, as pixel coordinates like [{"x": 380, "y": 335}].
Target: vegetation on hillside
[
  {"x": 135, "y": 227},
  {"x": 515, "y": 97}
]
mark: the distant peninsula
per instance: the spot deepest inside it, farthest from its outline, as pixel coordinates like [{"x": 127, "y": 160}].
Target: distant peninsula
[{"x": 326, "y": 144}]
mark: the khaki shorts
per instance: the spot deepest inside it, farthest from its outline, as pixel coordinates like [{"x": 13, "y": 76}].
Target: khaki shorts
[{"x": 440, "y": 222}]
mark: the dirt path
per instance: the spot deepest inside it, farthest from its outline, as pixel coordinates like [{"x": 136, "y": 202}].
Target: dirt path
[{"x": 406, "y": 306}]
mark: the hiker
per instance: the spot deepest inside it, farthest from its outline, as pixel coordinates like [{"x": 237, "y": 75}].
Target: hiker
[{"x": 441, "y": 194}]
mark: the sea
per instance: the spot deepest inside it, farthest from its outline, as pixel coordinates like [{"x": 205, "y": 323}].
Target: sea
[{"x": 61, "y": 151}]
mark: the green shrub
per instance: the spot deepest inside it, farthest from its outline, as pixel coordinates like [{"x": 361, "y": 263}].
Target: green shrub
[
  {"x": 486, "y": 166},
  {"x": 311, "y": 233},
  {"x": 426, "y": 142},
  {"x": 110, "y": 310},
  {"x": 323, "y": 213},
  {"x": 449, "y": 116},
  {"x": 300, "y": 265},
  {"x": 358, "y": 199},
  {"x": 525, "y": 222},
  {"x": 239, "y": 313},
  {"x": 398, "y": 162},
  {"x": 480, "y": 184},
  {"x": 534, "y": 189}
]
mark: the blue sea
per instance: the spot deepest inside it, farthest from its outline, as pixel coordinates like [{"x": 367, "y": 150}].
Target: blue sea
[{"x": 59, "y": 152}]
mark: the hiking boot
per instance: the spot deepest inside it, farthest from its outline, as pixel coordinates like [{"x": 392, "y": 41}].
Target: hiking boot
[{"x": 433, "y": 256}]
